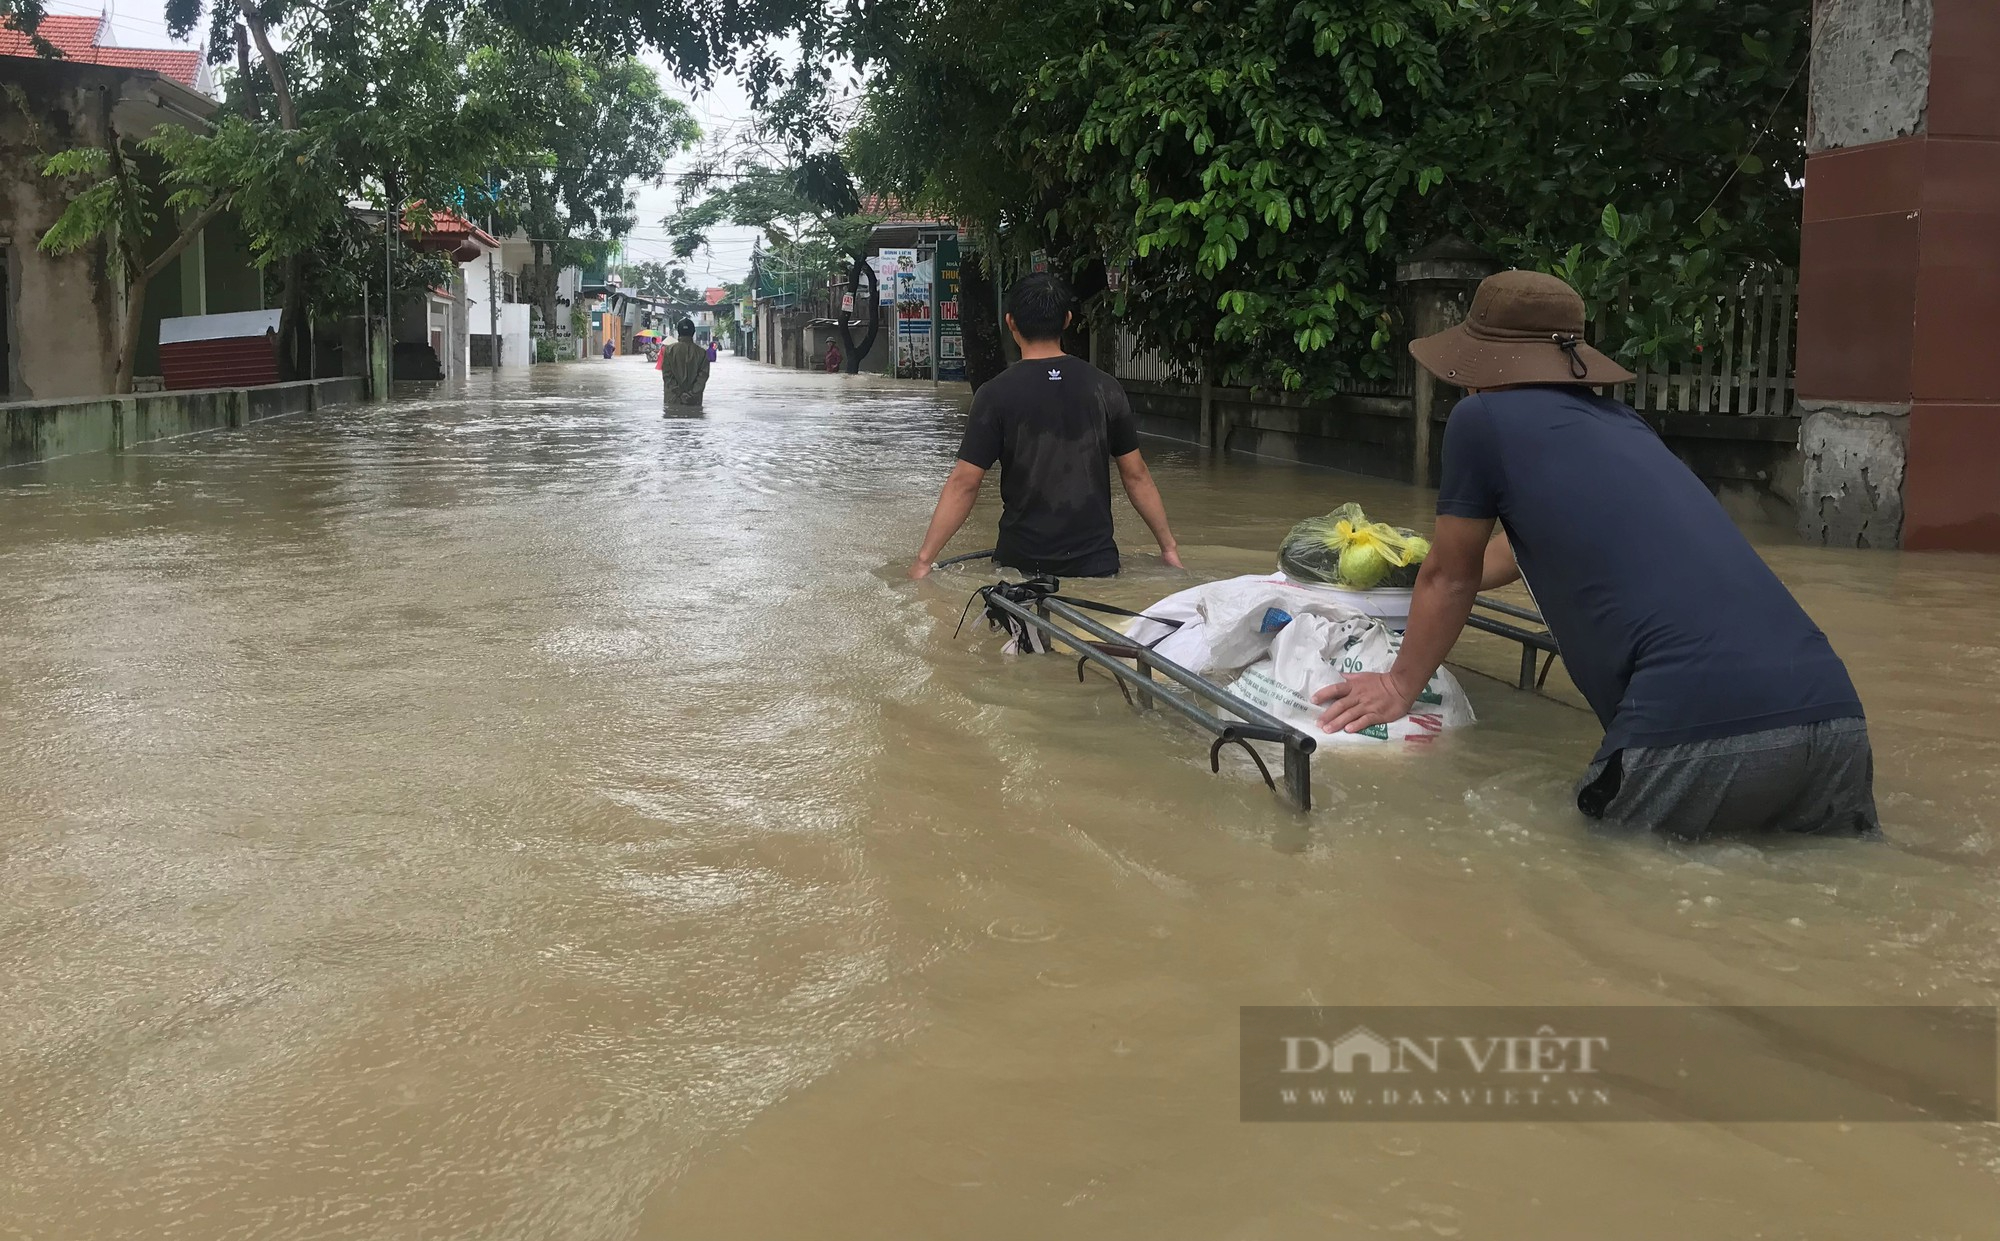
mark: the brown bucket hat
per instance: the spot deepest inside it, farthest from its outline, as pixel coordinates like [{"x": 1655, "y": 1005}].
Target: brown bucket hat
[{"x": 1523, "y": 328}]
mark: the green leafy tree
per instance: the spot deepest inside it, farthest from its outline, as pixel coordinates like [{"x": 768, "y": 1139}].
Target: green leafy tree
[
  {"x": 933, "y": 135},
  {"x": 1680, "y": 172},
  {"x": 413, "y": 106},
  {"x": 1258, "y": 168},
  {"x": 114, "y": 201},
  {"x": 662, "y": 280},
  {"x": 811, "y": 217},
  {"x": 584, "y": 131}
]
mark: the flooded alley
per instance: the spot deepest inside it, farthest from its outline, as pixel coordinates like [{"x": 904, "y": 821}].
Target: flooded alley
[{"x": 514, "y": 813}]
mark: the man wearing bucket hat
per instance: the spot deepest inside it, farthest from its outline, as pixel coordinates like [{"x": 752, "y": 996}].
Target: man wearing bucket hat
[{"x": 1725, "y": 710}]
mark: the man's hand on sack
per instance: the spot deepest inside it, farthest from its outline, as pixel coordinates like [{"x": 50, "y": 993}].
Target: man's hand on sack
[{"x": 1362, "y": 700}]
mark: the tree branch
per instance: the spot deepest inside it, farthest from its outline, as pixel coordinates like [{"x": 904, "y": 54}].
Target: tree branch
[
  {"x": 189, "y": 232},
  {"x": 243, "y": 74},
  {"x": 288, "y": 115}
]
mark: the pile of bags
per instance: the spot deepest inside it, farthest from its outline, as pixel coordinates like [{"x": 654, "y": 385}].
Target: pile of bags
[{"x": 1275, "y": 643}]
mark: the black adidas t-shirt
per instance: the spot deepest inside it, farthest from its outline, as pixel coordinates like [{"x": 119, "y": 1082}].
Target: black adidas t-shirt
[{"x": 1053, "y": 424}]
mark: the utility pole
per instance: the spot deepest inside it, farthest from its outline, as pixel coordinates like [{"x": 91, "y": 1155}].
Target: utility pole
[
  {"x": 389, "y": 213},
  {"x": 493, "y": 302}
]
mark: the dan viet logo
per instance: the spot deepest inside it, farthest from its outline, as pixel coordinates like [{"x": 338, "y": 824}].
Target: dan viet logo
[
  {"x": 1396, "y": 1075},
  {"x": 1598, "y": 1063},
  {"x": 1544, "y": 1053}
]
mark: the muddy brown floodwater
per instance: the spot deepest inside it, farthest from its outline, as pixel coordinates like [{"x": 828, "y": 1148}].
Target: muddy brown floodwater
[{"x": 515, "y": 814}]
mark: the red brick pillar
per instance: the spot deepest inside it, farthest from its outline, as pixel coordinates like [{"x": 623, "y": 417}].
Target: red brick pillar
[{"x": 1899, "y": 281}]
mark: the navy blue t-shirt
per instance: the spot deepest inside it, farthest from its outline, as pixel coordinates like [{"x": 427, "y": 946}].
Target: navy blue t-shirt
[{"x": 1669, "y": 622}]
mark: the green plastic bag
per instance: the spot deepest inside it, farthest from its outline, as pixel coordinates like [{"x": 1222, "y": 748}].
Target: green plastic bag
[{"x": 1345, "y": 549}]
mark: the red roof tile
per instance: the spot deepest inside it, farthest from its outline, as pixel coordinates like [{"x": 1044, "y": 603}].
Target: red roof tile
[
  {"x": 448, "y": 228},
  {"x": 76, "y": 38},
  {"x": 892, "y": 211},
  {"x": 71, "y": 34}
]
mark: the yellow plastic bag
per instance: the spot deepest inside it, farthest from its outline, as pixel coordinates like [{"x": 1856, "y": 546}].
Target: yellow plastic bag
[{"x": 1344, "y": 548}]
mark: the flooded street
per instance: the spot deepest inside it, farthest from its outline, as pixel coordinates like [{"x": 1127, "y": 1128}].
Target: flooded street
[{"x": 516, "y": 814}]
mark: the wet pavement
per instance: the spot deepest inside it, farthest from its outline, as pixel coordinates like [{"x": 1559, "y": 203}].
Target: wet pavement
[{"x": 516, "y": 813}]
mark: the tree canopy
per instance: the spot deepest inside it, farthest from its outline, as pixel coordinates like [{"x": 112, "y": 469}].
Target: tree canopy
[
  {"x": 656, "y": 279},
  {"x": 414, "y": 107},
  {"x": 1254, "y": 169},
  {"x": 1258, "y": 168}
]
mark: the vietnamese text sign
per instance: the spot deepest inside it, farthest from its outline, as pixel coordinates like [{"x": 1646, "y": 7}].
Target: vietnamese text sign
[{"x": 950, "y": 339}]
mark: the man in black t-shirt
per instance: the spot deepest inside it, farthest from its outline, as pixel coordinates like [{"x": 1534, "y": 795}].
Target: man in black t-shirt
[{"x": 1054, "y": 424}]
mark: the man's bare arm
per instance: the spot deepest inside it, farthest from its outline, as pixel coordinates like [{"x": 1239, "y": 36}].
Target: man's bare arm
[
  {"x": 953, "y": 507},
  {"x": 1499, "y": 569},
  {"x": 1446, "y": 586},
  {"x": 1145, "y": 497}
]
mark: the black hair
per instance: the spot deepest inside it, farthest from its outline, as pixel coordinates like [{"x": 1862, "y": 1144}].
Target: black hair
[
  {"x": 1040, "y": 305},
  {"x": 686, "y": 328}
]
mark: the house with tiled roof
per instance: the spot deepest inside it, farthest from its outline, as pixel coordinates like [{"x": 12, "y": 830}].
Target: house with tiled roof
[
  {"x": 62, "y": 318},
  {"x": 92, "y": 41}
]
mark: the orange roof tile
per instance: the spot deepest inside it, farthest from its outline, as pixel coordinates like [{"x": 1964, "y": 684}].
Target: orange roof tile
[
  {"x": 76, "y": 39},
  {"x": 447, "y": 228}
]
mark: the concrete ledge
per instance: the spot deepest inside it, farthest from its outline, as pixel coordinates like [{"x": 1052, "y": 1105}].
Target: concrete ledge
[
  {"x": 32, "y": 431},
  {"x": 1851, "y": 476}
]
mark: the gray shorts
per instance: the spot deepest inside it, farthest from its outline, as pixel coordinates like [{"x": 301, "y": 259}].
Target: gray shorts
[{"x": 1811, "y": 778}]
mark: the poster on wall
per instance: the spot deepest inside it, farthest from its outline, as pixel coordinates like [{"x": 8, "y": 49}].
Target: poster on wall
[
  {"x": 889, "y": 268},
  {"x": 913, "y": 357},
  {"x": 913, "y": 315},
  {"x": 950, "y": 341},
  {"x": 885, "y": 267}
]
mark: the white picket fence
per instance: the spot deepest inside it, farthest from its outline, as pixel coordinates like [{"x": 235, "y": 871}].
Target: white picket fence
[
  {"x": 1145, "y": 366},
  {"x": 1744, "y": 365},
  {"x": 1746, "y": 359}
]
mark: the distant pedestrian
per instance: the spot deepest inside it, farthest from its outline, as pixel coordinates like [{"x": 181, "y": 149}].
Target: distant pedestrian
[
  {"x": 610, "y": 350},
  {"x": 711, "y": 351},
  {"x": 832, "y": 358},
  {"x": 685, "y": 366}
]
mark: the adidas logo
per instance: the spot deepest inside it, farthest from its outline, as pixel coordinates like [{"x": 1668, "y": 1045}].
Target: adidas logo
[{"x": 1055, "y": 374}]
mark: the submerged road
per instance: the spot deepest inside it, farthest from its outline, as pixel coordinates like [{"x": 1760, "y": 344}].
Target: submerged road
[{"x": 514, "y": 813}]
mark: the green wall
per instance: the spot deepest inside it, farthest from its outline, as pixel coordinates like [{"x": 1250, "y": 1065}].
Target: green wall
[{"x": 234, "y": 283}]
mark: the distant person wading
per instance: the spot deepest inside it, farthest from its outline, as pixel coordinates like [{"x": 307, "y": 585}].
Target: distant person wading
[{"x": 684, "y": 367}]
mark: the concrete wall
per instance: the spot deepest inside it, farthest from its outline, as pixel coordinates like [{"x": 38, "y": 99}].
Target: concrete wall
[
  {"x": 1871, "y": 72},
  {"x": 1851, "y": 485},
  {"x": 41, "y": 430},
  {"x": 1753, "y": 464},
  {"x": 62, "y": 317},
  {"x": 1899, "y": 275},
  {"x": 63, "y": 314},
  {"x": 517, "y": 344},
  {"x": 234, "y": 281}
]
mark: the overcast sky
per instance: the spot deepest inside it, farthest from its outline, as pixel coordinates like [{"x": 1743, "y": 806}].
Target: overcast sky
[{"x": 722, "y": 111}]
